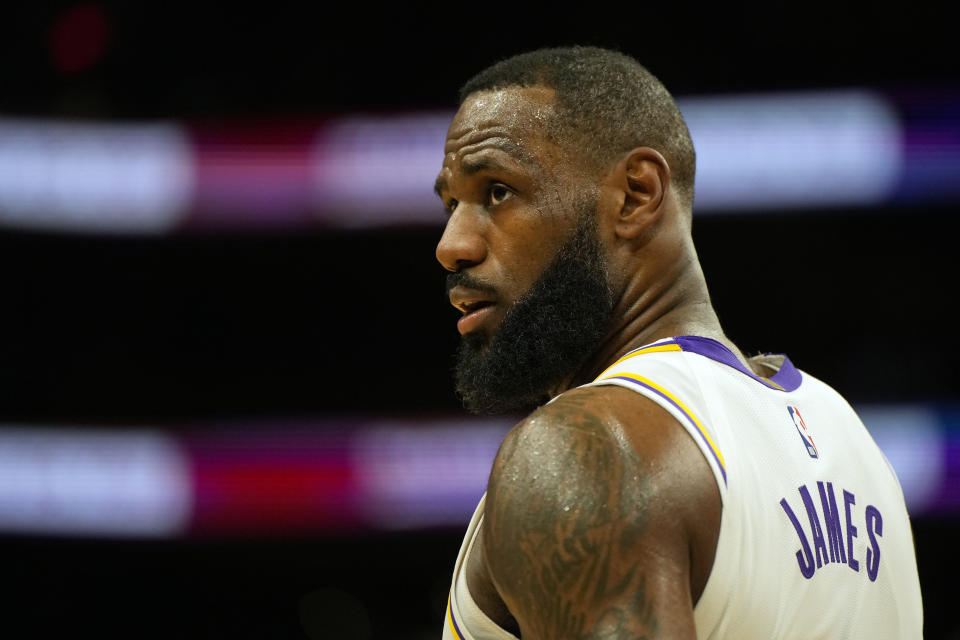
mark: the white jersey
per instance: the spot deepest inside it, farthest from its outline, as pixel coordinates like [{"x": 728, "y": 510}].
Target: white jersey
[{"x": 815, "y": 541}]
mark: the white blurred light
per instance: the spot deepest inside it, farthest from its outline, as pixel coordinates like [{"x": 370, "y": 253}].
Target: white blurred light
[
  {"x": 92, "y": 483},
  {"x": 913, "y": 440},
  {"x": 417, "y": 476},
  {"x": 372, "y": 171},
  {"x": 755, "y": 152},
  {"x": 94, "y": 177},
  {"x": 793, "y": 150}
]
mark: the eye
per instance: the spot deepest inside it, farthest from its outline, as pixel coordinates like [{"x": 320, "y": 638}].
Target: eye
[{"x": 498, "y": 193}]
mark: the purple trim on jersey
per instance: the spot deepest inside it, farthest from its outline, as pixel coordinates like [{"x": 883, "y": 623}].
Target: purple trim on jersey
[
  {"x": 787, "y": 377},
  {"x": 453, "y": 619},
  {"x": 685, "y": 414}
]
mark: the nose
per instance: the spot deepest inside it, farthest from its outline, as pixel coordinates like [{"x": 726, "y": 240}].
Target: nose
[{"x": 462, "y": 244}]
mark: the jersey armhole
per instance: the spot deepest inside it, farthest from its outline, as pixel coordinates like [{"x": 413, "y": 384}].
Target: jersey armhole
[{"x": 683, "y": 414}]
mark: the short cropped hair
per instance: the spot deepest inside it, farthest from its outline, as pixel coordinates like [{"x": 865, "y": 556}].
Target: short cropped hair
[{"x": 607, "y": 103}]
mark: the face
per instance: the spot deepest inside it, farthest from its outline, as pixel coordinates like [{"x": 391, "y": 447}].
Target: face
[{"x": 521, "y": 244}]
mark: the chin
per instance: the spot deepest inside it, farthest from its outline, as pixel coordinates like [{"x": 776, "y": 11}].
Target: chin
[{"x": 477, "y": 340}]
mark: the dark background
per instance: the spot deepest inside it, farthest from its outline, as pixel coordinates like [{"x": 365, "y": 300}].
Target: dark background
[{"x": 200, "y": 327}]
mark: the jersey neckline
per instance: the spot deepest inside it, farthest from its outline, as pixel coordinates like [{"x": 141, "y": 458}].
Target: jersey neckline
[{"x": 787, "y": 378}]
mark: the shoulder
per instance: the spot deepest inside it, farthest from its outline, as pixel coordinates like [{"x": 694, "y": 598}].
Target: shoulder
[
  {"x": 573, "y": 454},
  {"x": 600, "y": 437},
  {"x": 590, "y": 498},
  {"x": 596, "y": 427}
]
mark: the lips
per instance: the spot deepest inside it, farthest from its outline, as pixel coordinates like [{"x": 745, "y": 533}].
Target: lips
[
  {"x": 473, "y": 316},
  {"x": 475, "y": 305}
]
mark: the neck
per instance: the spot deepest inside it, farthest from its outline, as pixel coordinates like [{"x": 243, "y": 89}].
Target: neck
[{"x": 663, "y": 307}]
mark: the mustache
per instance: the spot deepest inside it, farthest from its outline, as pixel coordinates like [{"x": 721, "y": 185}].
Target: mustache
[{"x": 462, "y": 278}]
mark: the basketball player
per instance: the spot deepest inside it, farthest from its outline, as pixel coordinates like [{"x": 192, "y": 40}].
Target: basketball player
[{"x": 664, "y": 485}]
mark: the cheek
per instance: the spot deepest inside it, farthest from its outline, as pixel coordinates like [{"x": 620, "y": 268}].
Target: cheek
[
  {"x": 524, "y": 237},
  {"x": 522, "y": 258}
]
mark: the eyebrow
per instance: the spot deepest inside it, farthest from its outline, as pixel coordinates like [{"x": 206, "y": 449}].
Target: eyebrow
[{"x": 483, "y": 163}]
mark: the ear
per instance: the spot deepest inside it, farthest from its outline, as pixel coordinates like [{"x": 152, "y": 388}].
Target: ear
[{"x": 643, "y": 176}]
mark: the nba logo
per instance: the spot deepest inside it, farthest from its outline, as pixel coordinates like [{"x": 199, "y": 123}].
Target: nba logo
[{"x": 804, "y": 433}]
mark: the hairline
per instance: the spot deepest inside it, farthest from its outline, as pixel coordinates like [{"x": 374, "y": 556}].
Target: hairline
[{"x": 554, "y": 131}]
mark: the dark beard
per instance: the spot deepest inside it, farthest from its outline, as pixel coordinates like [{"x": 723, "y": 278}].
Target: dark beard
[{"x": 545, "y": 337}]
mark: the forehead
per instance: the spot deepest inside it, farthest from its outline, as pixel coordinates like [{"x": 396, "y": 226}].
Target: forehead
[
  {"x": 513, "y": 120},
  {"x": 515, "y": 110}
]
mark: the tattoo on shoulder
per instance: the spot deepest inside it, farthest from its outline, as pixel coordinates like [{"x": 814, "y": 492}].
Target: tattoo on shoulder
[{"x": 566, "y": 501}]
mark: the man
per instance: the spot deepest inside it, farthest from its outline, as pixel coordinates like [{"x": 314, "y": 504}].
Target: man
[{"x": 672, "y": 487}]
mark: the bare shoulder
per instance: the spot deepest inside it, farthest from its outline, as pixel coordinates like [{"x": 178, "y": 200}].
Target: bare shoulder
[{"x": 598, "y": 506}]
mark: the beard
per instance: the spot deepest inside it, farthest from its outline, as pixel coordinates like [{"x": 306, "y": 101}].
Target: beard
[{"x": 545, "y": 336}]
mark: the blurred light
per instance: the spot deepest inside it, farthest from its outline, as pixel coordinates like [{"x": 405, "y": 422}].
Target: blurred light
[
  {"x": 78, "y": 39},
  {"x": 412, "y": 477},
  {"x": 372, "y": 171},
  {"x": 756, "y": 153},
  {"x": 92, "y": 483},
  {"x": 94, "y": 177},
  {"x": 913, "y": 440},
  {"x": 932, "y": 146},
  {"x": 753, "y": 152},
  {"x": 334, "y": 474},
  {"x": 794, "y": 150},
  {"x": 253, "y": 177},
  {"x": 273, "y": 479}
]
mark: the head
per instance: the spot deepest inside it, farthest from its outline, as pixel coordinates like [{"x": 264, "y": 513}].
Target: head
[
  {"x": 606, "y": 104},
  {"x": 559, "y": 166}
]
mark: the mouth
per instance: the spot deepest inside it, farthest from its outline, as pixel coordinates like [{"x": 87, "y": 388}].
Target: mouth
[
  {"x": 476, "y": 305},
  {"x": 474, "y": 314},
  {"x": 469, "y": 306},
  {"x": 475, "y": 311}
]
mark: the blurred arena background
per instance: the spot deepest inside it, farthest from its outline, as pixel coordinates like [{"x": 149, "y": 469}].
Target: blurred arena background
[{"x": 226, "y": 408}]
